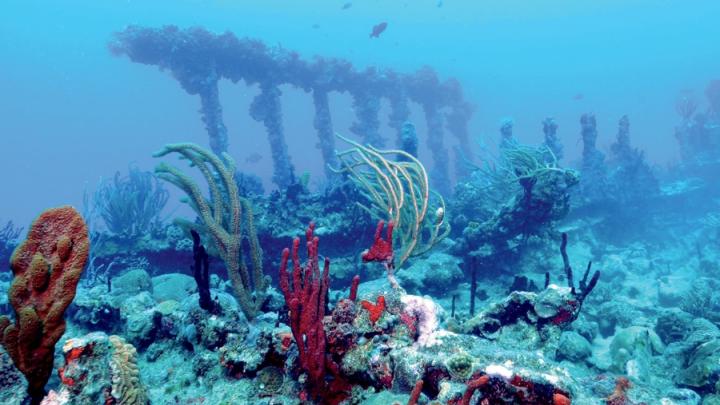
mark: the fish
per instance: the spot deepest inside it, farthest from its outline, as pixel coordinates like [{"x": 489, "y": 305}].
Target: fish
[
  {"x": 346, "y": 6},
  {"x": 378, "y": 29},
  {"x": 578, "y": 97},
  {"x": 440, "y": 3},
  {"x": 315, "y": 26},
  {"x": 253, "y": 158}
]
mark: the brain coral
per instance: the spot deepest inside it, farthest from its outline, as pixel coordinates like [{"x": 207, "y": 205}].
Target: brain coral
[{"x": 126, "y": 386}]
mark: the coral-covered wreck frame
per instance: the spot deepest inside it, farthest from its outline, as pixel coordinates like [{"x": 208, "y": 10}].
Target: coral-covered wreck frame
[{"x": 199, "y": 59}]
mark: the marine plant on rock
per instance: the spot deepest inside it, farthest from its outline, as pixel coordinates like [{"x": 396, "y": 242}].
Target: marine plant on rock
[
  {"x": 227, "y": 217},
  {"x": 537, "y": 195},
  {"x": 397, "y": 188},
  {"x": 201, "y": 273},
  {"x": 8, "y": 239},
  {"x": 131, "y": 205},
  {"x": 552, "y": 309}
]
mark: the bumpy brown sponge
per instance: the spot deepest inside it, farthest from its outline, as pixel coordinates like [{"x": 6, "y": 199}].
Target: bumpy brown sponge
[{"x": 47, "y": 267}]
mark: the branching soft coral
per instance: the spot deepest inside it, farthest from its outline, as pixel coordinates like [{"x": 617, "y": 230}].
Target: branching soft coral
[
  {"x": 398, "y": 190},
  {"x": 227, "y": 217}
]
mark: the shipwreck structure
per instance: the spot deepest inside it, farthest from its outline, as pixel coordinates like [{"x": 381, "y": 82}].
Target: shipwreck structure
[{"x": 199, "y": 59}]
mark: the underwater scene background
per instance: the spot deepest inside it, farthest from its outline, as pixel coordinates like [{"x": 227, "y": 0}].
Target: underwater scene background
[{"x": 360, "y": 202}]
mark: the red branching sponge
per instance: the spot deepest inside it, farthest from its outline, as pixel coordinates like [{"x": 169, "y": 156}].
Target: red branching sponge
[
  {"x": 415, "y": 394},
  {"x": 46, "y": 267},
  {"x": 354, "y": 288},
  {"x": 306, "y": 299},
  {"x": 375, "y": 310},
  {"x": 472, "y": 386},
  {"x": 517, "y": 389},
  {"x": 382, "y": 249},
  {"x": 306, "y": 302}
]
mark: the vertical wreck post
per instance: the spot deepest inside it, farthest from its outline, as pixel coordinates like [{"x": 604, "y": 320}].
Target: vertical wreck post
[
  {"x": 211, "y": 114},
  {"x": 399, "y": 114},
  {"x": 592, "y": 184},
  {"x": 507, "y": 140},
  {"x": 425, "y": 89},
  {"x": 367, "y": 124},
  {"x": 408, "y": 141},
  {"x": 439, "y": 172},
  {"x": 324, "y": 127},
  {"x": 551, "y": 139},
  {"x": 456, "y": 123},
  {"x": 267, "y": 108},
  {"x": 621, "y": 147}
]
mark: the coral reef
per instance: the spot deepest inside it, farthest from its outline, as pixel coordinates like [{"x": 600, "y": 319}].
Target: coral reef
[
  {"x": 12, "y": 385},
  {"x": 487, "y": 312},
  {"x": 99, "y": 369}
]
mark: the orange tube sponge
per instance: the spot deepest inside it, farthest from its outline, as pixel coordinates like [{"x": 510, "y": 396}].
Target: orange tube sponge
[{"x": 47, "y": 267}]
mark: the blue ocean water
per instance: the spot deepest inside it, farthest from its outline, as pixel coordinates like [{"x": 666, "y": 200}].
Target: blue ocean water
[
  {"x": 509, "y": 143},
  {"x": 524, "y": 60}
]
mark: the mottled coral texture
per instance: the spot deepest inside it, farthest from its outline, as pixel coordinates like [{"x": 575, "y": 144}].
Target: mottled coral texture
[
  {"x": 126, "y": 388},
  {"x": 47, "y": 267}
]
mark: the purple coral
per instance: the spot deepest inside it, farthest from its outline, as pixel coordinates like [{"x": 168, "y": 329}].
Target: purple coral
[{"x": 425, "y": 312}]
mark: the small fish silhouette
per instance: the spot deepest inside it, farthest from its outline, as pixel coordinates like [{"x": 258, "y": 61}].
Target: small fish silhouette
[
  {"x": 578, "y": 97},
  {"x": 315, "y": 26},
  {"x": 378, "y": 29},
  {"x": 253, "y": 158},
  {"x": 346, "y": 6}
]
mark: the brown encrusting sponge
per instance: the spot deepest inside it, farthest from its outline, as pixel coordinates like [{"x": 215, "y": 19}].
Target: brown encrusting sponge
[{"x": 46, "y": 268}]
